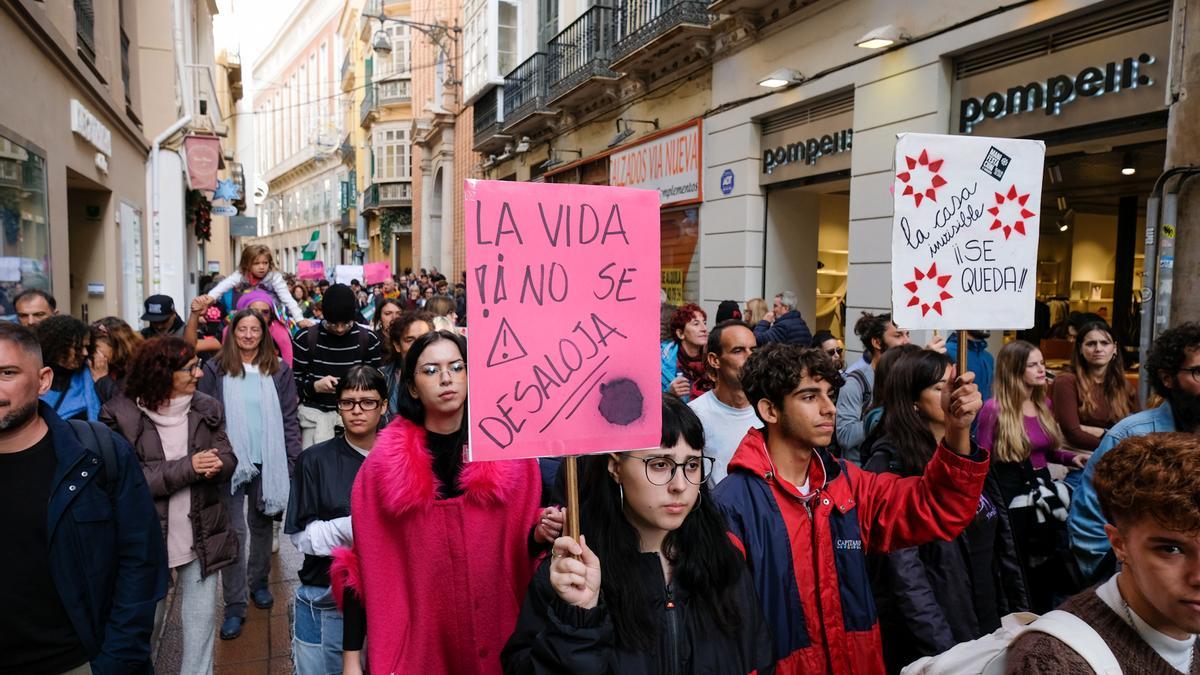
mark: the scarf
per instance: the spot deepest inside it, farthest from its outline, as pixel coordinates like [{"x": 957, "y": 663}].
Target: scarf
[
  {"x": 693, "y": 369},
  {"x": 79, "y": 396},
  {"x": 275, "y": 482}
]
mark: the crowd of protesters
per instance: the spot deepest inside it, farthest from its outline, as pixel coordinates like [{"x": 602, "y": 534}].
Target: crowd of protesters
[{"x": 802, "y": 514}]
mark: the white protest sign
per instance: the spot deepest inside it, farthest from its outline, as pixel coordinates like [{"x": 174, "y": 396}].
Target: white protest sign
[
  {"x": 965, "y": 231},
  {"x": 344, "y": 274}
]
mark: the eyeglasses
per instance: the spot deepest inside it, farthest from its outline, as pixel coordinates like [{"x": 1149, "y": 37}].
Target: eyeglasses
[
  {"x": 1195, "y": 372},
  {"x": 661, "y": 470},
  {"x": 340, "y": 325},
  {"x": 366, "y": 404},
  {"x": 432, "y": 370},
  {"x": 190, "y": 368}
]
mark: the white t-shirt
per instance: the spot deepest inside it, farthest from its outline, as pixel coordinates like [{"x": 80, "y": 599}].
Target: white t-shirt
[
  {"x": 1178, "y": 653},
  {"x": 724, "y": 429}
]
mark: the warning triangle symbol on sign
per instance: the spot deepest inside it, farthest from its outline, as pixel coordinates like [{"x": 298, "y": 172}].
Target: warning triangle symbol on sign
[{"x": 507, "y": 347}]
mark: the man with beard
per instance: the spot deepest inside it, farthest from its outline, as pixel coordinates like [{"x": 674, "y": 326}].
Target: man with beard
[
  {"x": 1173, "y": 367},
  {"x": 86, "y": 564}
]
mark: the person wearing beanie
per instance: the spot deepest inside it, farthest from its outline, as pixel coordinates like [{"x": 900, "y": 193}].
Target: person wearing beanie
[
  {"x": 728, "y": 309},
  {"x": 322, "y": 354}
]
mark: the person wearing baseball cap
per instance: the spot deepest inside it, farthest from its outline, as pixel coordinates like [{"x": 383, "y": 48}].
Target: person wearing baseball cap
[
  {"x": 160, "y": 314},
  {"x": 322, "y": 354}
]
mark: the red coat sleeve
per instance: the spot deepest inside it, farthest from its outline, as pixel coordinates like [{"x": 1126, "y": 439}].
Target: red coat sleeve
[{"x": 896, "y": 513}]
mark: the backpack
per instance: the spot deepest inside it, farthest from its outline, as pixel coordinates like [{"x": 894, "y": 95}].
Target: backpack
[
  {"x": 102, "y": 443},
  {"x": 988, "y": 655},
  {"x": 861, "y": 379}
]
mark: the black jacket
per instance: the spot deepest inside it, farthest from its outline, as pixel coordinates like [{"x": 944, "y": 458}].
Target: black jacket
[
  {"x": 554, "y": 637},
  {"x": 935, "y": 596}
]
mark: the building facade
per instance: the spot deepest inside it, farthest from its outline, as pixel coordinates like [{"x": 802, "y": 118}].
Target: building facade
[
  {"x": 73, "y": 155},
  {"x": 798, "y": 181},
  {"x": 299, "y": 127}
]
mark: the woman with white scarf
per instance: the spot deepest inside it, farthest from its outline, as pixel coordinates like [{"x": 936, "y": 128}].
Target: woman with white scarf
[{"x": 258, "y": 392}]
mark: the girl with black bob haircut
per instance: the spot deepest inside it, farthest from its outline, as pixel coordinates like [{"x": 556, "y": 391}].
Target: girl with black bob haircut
[
  {"x": 664, "y": 590},
  {"x": 934, "y": 596}
]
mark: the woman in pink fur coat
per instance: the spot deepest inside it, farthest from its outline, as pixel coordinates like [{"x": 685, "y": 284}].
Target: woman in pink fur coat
[{"x": 441, "y": 556}]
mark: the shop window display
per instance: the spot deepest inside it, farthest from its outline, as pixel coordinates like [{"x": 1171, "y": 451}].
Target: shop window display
[
  {"x": 25, "y": 238},
  {"x": 680, "y": 254}
]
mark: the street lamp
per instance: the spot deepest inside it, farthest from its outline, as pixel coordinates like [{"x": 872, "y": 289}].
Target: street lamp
[{"x": 439, "y": 34}]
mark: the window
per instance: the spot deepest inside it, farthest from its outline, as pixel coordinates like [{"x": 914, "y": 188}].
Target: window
[
  {"x": 85, "y": 29},
  {"x": 488, "y": 57},
  {"x": 506, "y": 37},
  {"x": 24, "y": 222},
  {"x": 125, "y": 69},
  {"x": 475, "y": 48},
  {"x": 392, "y": 156},
  {"x": 394, "y": 90},
  {"x": 399, "y": 62},
  {"x": 547, "y": 23}
]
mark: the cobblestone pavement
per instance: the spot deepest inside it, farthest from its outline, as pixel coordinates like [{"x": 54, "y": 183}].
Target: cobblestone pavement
[{"x": 265, "y": 646}]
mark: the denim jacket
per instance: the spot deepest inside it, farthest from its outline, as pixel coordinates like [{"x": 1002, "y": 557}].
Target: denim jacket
[{"x": 107, "y": 555}]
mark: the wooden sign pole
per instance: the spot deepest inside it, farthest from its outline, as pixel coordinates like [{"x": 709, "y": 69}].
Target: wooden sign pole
[
  {"x": 962, "y": 352},
  {"x": 572, "y": 524}
]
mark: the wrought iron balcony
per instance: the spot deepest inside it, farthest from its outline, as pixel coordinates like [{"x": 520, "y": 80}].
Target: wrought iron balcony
[
  {"x": 580, "y": 53},
  {"x": 489, "y": 134},
  {"x": 644, "y": 28},
  {"x": 371, "y": 198},
  {"x": 526, "y": 95},
  {"x": 348, "y": 72},
  {"x": 366, "y": 110},
  {"x": 346, "y": 150}
]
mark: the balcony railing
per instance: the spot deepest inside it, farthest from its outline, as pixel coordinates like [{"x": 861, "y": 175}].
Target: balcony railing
[
  {"x": 367, "y": 107},
  {"x": 346, "y": 150},
  {"x": 637, "y": 22},
  {"x": 526, "y": 89},
  {"x": 581, "y": 51}
]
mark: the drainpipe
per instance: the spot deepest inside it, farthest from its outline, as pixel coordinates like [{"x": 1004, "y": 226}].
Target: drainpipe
[{"x": 179, "y": 124}]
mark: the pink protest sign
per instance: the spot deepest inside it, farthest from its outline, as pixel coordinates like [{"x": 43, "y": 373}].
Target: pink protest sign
[
  {"x": 562, "y": 301},
  {"x": 376, "y": 272},
  {"x": 310, "y": 269}
]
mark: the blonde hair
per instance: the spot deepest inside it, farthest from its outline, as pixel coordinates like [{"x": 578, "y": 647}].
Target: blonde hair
[
  {"x": 251, "y": 253},
  {"x": 756, "y": 309},
  {"x": 1011, "y": 443}
]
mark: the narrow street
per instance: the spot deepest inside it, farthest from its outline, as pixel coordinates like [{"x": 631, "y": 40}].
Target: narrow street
[{"x": 265, "y": 646}]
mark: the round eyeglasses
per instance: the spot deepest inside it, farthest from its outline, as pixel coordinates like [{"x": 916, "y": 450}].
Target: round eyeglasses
[{"x": 661, "y": 470}]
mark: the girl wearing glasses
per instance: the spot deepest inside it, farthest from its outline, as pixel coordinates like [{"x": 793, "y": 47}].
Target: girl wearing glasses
[
  {"x": 933, "y": 596},
  {"x": 179, "y": 436},
  {"x": 442, "y": 549},
  {"x": 654, "y": 585},
  {"x": 258, "y": 393}
]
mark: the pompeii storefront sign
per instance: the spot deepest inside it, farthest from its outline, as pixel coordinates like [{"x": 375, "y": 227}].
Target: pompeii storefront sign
[
  {"x": 817, "y": 147},
  {"x": 1094, "y": 82}
]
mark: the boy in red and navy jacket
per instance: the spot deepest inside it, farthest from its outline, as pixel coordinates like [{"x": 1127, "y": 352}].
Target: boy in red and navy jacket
[{"x": 806, "y": 520}]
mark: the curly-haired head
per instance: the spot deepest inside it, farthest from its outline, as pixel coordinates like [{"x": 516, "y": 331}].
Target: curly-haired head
[
  {"x": 1154, "y": 476},
  {"x": 59, "y": 336},
  {"x": 1170, "y": 351},
  {"x": 871, "y": 327},
  {"x": 681, "y": 316},
  {"x": 152, "y": 373},
  {"x": 775, "y": 370}
]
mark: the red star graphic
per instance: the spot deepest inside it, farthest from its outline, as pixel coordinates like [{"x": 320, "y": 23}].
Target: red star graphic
[
  {"x": 1019, "y": 205},
  {"x": 932, "y": 167},
  {"x": 939, "y": 289}
]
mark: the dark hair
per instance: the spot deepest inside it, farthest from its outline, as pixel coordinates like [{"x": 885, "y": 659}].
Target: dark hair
[
  {"x": 59, "y": 335},
  {"x": 1115, "y": 389},
  {"x": 714, "y": 336},
  {"x": 363, "y": 378},
  {"x": 400, "y": 326},
  {"x": 152, "y": 372},
  {"x": 821, "y": 336},
  {"x": 870, "y": 327},
  {"x": 706, "y": 564},
  {"x": 35, "y": 292},
  {"x": 267, "y": 360},
  {"x": 910, "y": 375},
  {"x": 378, "y": 319},
  {"x": 1168, "y": 354},
  {"x": 773, "y": 371},
  {"x": 23, "y": 337},
  {"x": 410, "y": 406},
  {"x": 884, "y": 366},
  {"x": 681, "y": 316}
]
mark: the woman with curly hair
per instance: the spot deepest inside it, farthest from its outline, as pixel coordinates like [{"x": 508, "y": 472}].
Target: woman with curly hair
[
  {"x": 683, "y": 373},
  {"x": 179, "y": 436},
  {"x": 401, "y": 335},
  {"x": 65, "y": 343},
  {"x": 113, "y": 345}
]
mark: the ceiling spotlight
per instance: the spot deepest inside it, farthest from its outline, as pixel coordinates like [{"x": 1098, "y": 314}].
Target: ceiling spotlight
[
  {"x": 1062, "y": 203},
  {"x": 878, "y": 38},
  {"x": 522, "y": 145},
  {"x": 781, "y": 78},
  {"x": 1063, "y": 226},
  {"x": 1127, "y": 167},
  {"x": 1055, "y": 172}
]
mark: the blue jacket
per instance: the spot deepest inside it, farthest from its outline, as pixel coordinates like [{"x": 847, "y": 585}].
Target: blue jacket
[
  {"x": 670, "y": 365},
  {"x": 979, "y": 361},
  {"x": 107, "y": 555},
  {"x": 788, "y": 329},
  {"x": 1086, "y": 523}
]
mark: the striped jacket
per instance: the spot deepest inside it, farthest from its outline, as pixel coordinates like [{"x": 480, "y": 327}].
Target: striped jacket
[{"x": 808, "y": 556}]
